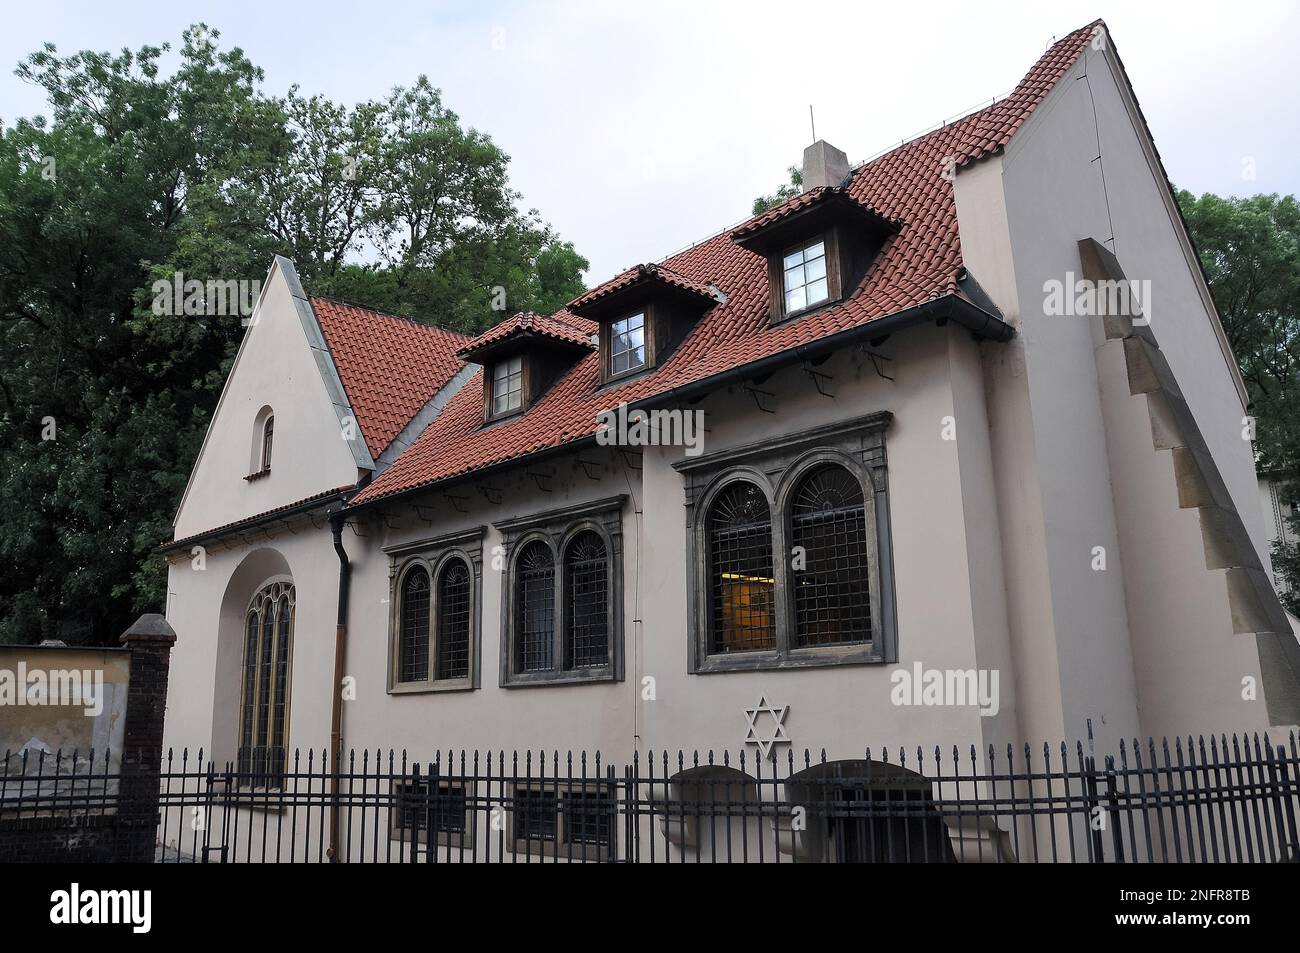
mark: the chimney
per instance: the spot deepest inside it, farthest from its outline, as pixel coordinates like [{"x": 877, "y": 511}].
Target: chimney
[{"x": 823, "y": 164}]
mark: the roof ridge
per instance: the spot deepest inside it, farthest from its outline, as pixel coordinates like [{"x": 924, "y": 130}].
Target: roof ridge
[{"x": 946, "y": 125}]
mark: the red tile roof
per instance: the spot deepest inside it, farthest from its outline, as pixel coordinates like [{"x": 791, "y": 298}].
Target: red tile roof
[
  {"x": 562, "y": 327},
  {"x": 636, "y": 275},
  {"x": 800, "y": 202},
  {"x": 258, "y": 519},
  {"x": 999, "y": 122},
  {"x": 390, "y": 366},
  {"x": 921, "y": 262}
]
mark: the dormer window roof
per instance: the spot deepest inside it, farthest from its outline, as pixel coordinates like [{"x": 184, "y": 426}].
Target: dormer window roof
[
  {"x": 819, "y": 246},
  {"x": 643, "y": 314},
  {"x": 644, "y": 282},
  {"x": 523, "y": 355},
  {"x": 525, "y": 330}
]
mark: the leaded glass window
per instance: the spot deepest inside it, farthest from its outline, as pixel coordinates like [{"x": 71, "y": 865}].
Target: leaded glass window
[
  {"x": 586, "y": 566},
  {"x": 453, "y": 619},
  {"x": 415, "y": 626},
  {"x": 832, "y": 591},
  {"x": 741, "y": 579},
  {"x": 264, "y": 707},
  {"x": 535, "y": 607}
]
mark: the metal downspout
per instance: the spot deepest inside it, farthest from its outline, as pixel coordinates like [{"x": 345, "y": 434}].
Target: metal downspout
[{"x": 336, "y": 704}]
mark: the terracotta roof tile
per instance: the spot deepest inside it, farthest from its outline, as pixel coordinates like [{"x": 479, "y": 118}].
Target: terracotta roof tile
[
  {"x": 651, "y": 272},
  {"x": 922, "y": 261},
  {"x": 390, "y": 366},
  {"x": 562, "y": 327}
]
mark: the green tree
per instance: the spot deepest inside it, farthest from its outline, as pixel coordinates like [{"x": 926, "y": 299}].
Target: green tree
[
  {"x": 784, "y": 192},
  {"x": 136, "y": 176},
  {"x": 1250, "y": 249}
]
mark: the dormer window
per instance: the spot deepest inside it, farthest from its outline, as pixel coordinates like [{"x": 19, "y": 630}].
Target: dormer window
[
  {"x": 804, "y": 279},
  {"x": 627, "y": 344},
  {"x": 523, "y": 356},
  {"x": 507, "y": 386},
  {"x": 819, "y": 245},
  {"x": 643, "y": 315}
]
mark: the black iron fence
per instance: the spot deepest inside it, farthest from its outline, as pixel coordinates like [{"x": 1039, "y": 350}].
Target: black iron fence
[{"x": 1197, "y": 800}]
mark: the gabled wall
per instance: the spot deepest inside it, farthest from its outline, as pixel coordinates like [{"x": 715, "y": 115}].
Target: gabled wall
[
  {"x": 1145, "y": 646},
  {"x": 280, "y": 366}
]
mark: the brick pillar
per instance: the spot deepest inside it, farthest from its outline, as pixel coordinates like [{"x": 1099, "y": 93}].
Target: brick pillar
[{"x": 149, "y": 640}]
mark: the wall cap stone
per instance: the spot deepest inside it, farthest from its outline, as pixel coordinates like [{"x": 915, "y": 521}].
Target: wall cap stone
[{"x": 150, "y": 627}]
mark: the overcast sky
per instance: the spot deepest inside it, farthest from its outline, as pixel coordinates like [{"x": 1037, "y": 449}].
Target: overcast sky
[{"x": 638, "y": 128}]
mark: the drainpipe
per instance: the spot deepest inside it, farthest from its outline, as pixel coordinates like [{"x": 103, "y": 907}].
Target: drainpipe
[{"x": 336, "y": 705}]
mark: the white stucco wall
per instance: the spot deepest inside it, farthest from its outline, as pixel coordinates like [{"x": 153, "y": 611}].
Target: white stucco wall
[
  {"x": 1122, "y": 643},
  {"x": 275, "y": 367}
]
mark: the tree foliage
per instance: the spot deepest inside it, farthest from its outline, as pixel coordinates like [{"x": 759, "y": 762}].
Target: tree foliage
[
  {"x": 1250, "y": 249},
  {"x": 784, "y": 192},
  {"x": 137, "y": 175}
]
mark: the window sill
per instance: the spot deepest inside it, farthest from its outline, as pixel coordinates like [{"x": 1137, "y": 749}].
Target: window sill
[
  {"x": 805, "y": 312},
  {"x": 432, "y": 688},
  {"x": 551, "y": 848},
  {"x": 258, "y": 475},
  {"x": 564, "y": 677},
  {"x": 451, "y": 840},
  {"x": 491, "y": 420},
  {"x": 622, "y": 377},
  {"x": 262, "y": 800},
  {"x": 626, "y": 377},
  {"x": 858, "y": 653}
]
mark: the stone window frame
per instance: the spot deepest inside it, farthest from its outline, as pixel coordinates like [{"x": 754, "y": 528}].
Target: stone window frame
[
  {"x": 283, "y": 694},
  {"x": 434, "y": 554},
  {"x": 403, "y": 795},
  {"x": 777, "y": 466},
  {"x": 555, "y": 529},
  {"x": 560, "y": 846}
]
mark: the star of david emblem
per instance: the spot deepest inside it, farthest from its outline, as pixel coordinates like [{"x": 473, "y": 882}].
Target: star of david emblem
[{"x": 766, "y": 726}]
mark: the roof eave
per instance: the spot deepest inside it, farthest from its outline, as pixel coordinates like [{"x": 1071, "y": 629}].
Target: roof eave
[
  {"x": 949, "y": 307},
  {"x": 256, "y": 522}
]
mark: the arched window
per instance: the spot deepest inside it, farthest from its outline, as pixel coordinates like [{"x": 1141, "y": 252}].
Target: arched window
[
  {"x": 264, "y": 708},
  {"x": 832, "y": 590},
  {"x": 247, "y": 716},
  {"x": 741, "y": 581},
  {"x": 453, "y": 620},
  {"x": 586, "y": 572},
  {"x": 413, "y": 661},
  {"x": 563, "y": 618},
  {"x": 284, "y": 629},
  {"x": 535, "y": 608},
  {"x": 268, "y": 433}
]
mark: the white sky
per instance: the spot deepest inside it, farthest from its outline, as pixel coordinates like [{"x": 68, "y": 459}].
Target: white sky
[{"x": 638, "y": 128}]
